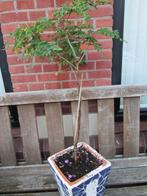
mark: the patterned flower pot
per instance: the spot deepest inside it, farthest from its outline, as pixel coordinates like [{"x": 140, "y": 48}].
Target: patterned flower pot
[{"x": 92, "y": 184}]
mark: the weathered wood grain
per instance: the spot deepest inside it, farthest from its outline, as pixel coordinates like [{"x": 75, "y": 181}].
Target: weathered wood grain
[
  {"x": 106, "y": 127},
  {"x": 25, "y": 178},
  {"x": 131, "y": 126},
  {"x": 55, "y": 129},
  {"x": 38, "y": 178},
  {"x": 124, "y": 191},
  {"x": 7, "y": 152},
  {"x": 129, "y": 162},
  {"x": 35, "y": 194},
  {"x": 127, "y": 191},
  {"x": 84, "y": 121},
  {"x": 29, "y": 134},
  {"x": 61, "y": 95}
]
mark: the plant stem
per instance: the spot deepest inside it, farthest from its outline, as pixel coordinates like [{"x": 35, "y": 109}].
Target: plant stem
[
  {"x": 77, "y": 122},
  {"x": 74, "y": 53},
  {"x": 72, "y": 65},
  {"x": 81, "y": 58}
]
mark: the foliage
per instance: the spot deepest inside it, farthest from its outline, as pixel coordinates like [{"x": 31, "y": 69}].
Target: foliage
[{"x": 65, "y": 47}]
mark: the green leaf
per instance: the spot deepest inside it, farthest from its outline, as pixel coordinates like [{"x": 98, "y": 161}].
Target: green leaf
[{"x": 68, "y": 36}]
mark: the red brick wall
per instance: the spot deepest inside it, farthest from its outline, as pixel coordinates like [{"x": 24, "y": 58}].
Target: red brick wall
[{"x": 44, "y": 75}]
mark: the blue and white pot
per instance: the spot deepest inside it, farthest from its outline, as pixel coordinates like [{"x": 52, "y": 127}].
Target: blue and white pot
[{"x": 92, "y": 184}]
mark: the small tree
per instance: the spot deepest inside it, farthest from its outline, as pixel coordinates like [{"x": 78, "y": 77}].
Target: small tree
[{"x": 65, "y": 47}]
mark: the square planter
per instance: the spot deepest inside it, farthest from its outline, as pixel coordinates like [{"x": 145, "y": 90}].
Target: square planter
[{"x": 92, "y": 184}]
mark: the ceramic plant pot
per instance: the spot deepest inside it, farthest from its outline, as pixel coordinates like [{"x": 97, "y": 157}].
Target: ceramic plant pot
[{"x": 92, "y": 184}]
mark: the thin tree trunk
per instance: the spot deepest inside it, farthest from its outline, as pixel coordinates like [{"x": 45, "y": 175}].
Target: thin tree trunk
[{"x": 77, "y": 122}]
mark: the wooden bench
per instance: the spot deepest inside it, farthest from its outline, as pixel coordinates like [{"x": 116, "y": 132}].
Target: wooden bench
[{"x": 32, "y": 177}]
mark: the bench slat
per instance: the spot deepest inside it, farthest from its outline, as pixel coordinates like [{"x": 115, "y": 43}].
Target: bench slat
[
  {"x": 7, "y": 152},
  {"x": 106, "y": 127},
  {"x": 127, "y": 191},
  {"x": 29, "y": 134},
  {"x": 37, "y": 194},
  {"x": 84, "y": 129},
  {"x": 61, "y": 95},
  {"x": 131, "y": 126},
  {"x": 55, "y": 128},
  {"x": 38, "y": 178}
]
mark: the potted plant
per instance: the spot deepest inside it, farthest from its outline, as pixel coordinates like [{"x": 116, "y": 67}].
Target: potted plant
[{"x": 79, "y": 169}]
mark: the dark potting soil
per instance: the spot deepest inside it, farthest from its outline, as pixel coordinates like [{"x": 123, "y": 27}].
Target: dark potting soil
[{"x": 86, "y": 162}]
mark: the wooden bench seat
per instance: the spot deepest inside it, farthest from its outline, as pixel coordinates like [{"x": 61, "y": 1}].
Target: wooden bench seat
[{"x": 128, "y": 178}]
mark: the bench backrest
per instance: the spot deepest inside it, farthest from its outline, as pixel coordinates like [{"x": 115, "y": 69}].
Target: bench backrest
[{"x": 52, "y": 99}]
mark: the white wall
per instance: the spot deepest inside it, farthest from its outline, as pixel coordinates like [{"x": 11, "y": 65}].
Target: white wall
[{"x": 134, "y": 63}]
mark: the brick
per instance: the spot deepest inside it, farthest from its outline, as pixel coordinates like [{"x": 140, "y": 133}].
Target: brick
[
  {"x": 50, "y": 67},
  {"x": 75, "y": 16},
  {"x": 36, "y": 86},
  {"x": 93, "y": 55},
  {"x": 45, "y": 37},
  {"x": 13, "y": 60},
  {"x": 33, "y": 69},
  {"x": 64, "y": 76},
  {"x": 50, "y": 13},
  {"x": 8, "y": 28},
  {"x": 45, "y": 3},
  {"x": 9, "y": 50},
  {"x": 100, "y": 74},
  {"x": 53, "y": 85},
  {"x": 100, "y": 55},
  {"x": 88, "y": 83},
  {"x": 72, "y": 75},
  {"x": 104, "y": 23},
  {"x": 103, "y": 64},
  {"x": 20, "y": 87},
  {"x": 79, "y": 22},
  {"x": 107, "y": 44},
  {"x": 61, "y": 2},
  {"x": 23, "y": 78},
  {"x": 8, "y": 17},
  {"x": 102, "y": 11},
  {"x": 103, "y": 82},
  {"x": 101, "y": 37},
  {"x": 16, "y": 69},
  {"x": 34, "y": 15},
  {"x": 22, "y": 16},
  {"x": 48, "y": 77},
  {"x": 9, "y": 40},
  {"x": 87, "y": 66},
  {"x": 69, "y": 84},
  {"x": 64, "y": 68},
  {"x": 25, "y": 4},
  {"x": 6, "y": 6},
  {"x": 73, "y": 84},
  {"x": 87, "y": 47},
  {"x": 13, "y": 17},
  {"x": 41, "y": 60}
]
